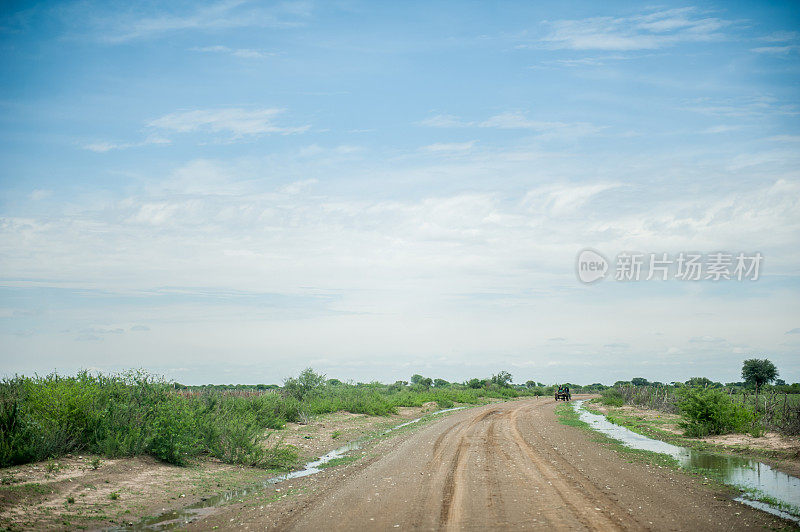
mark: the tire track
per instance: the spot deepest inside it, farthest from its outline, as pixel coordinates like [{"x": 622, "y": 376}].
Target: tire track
[
  {"x": 509, "y": 466},
  {"x": 586, "y": 501}
]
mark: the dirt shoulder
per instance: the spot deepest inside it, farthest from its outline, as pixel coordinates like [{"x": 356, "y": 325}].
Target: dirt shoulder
[
  {"x": 780, "y": 452},
  {"x": 504, "y": 466},
  {"x": 89, "y": 492}
]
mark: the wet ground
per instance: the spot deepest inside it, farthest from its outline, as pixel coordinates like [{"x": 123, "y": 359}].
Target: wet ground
[
  {"x": 508, "y": 466},
  {"x": 757, "y": 479}
]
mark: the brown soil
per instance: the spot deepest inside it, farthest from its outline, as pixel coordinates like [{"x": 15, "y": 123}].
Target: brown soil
[
  {"x": 35, "y": 496},
  {"x": 504, "y": 466}
]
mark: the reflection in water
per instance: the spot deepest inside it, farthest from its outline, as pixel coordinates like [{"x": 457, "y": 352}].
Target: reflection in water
[
  {"x": 182, "y": 516},
  {"x": 748, "y": 475}
]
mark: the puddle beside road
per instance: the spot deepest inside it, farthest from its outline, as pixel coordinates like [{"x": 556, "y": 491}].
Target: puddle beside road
[
  {"x": 183, "y": 516},
  {"x": 750, "y": 476}
]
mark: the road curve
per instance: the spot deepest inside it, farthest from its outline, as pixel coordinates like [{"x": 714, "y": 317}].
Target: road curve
[{"x": 512, "y": 466}]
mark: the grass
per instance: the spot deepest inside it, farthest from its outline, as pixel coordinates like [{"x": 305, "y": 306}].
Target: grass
[
  {"x": 771, "y": 501},
  {"x": 651, "y": 429},
  {"x": 567, "y": 415},
  {"x": 710, "y": 477}
]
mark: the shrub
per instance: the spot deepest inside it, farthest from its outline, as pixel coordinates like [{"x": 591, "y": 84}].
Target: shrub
[
  {"x": 307, "y": 383},
  {"x": 612, "y": 397},
  {"x": 710, "y": 411},
  {"x": 132, "y": 414}
]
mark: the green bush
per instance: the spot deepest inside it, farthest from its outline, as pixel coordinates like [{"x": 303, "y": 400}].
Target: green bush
[
  {"x": 133, "y": 414},
  {"x": 612, "y": 397},
  {"x": 708, "y": 411}
]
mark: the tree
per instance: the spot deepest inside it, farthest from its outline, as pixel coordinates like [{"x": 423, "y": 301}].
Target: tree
[
  {"x": 426, "y": 382},
  {"x": 704, "y": 382},
  {"x": 440, "y": 383},
  {"x": 759, "y": 372},
  {"x": 307, "y": 382},
  {"x": 639, "y": 381},
  {"x": 502, "y": 379},
  {"x": 474, "y": 383},
  {"x": 416, "y": 378},
  {"x": 530, "y": 384}
]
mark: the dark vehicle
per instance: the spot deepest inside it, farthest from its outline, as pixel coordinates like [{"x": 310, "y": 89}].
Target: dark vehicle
[{"x": 562, "y": 393}]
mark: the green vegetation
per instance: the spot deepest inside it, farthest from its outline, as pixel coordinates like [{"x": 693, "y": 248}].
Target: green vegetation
[
  {"x": 757, "y": 372},
  {"x": 132, "y": 414},
  {"x": 612, "y": 397},
  {"x": 707, "y": 411},
  {"x": 709, "y": 407},
  {"x": 568, "y": 415},
  {"x": 135, "y": 413}
]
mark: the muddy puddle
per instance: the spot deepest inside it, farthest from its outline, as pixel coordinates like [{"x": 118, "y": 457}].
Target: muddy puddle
[
  {"x": 758, "y": 480},
  {"x": 198, "y": 510}
]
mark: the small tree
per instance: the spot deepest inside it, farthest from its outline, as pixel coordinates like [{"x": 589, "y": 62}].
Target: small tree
[
  {"x": 639, "y": 381},
  {"x": 530, "y": 384},
  {"x": 475, "y": 383},
  {"x": 416, "y": 378},
  {"x": 758, "y": 372},
  {"x": 307, "y": 382},
  {"x": 703, "y": 382},
  {"x": 440, "y": 383},
  {"x": 502, "y": 379}
]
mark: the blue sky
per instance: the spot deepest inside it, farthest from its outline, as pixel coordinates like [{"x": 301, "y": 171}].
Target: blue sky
[{"x": 232, "y": 191}]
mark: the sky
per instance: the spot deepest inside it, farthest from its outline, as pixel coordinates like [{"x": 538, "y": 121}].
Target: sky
[{"x": 231, "y": 191}]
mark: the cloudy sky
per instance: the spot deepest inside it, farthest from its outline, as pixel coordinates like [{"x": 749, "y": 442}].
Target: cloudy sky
[{"x": 231, "y": 191}]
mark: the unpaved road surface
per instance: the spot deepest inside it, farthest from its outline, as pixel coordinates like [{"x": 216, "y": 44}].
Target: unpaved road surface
[{"x": 505, "y": 466}]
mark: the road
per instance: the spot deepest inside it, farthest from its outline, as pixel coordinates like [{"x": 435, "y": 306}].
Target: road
[{"x": 505, "y": 466}]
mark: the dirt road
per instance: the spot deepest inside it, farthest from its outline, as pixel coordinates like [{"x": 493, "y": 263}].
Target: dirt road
[{"x": 501, "y": 467}]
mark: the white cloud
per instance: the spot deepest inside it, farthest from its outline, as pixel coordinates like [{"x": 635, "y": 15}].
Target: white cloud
[
  {"x": 298, "y": 186},
  {"x": 244, "y": 53},
  {"x": 449, "y": 147},
  {"x": 517, "y": 120},
  {"x": 473, "y": 270},
  {"x": 713, "y": 130},
  {"x": 104, "y": 146},
  {"x": 236, "y": 121},
  {"x": 646, "y": 31},
  {"x": 776, "y": 50},
  {"x": 133, "y": 23},
  {"x": 443, "y": 120},
  {"x": 742, "y": 107},
  {"x": 40, "y": 194},
  {"x": 560, "y": 200}
]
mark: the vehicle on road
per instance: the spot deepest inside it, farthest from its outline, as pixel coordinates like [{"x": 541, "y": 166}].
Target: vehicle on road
[{"x": 562, "y": 393}]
